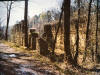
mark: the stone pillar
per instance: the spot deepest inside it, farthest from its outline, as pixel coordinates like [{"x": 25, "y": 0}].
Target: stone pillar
[
  {"x": 22, "y": 32},
  {"x": 34, "y": 36},
  {"x": 48, "y": 32},
  {"x": 43, "y": 47},
  {"x": 48, "y": 35},
  {"x": 22, "y": 40},
  {"x": 32, "y": 39}
]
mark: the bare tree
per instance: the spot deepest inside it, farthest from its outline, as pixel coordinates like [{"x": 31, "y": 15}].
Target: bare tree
[
  {"x": 97, "y": 30},
  {"x": 9, "y": 7},
  {"x": 67, "y": 31},
  {"x": 59, "y": 25},
  {"x": 87, "y": 31},
  {"x": 26, "y": 23},
  {"x": 77, "y": 31}
]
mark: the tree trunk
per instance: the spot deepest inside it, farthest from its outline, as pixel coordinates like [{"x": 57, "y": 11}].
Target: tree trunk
[
  {"x": 26, "y": 23},
  {"x": 97, "y": 31},
  {"x": 8, "y": 18},
  {"x": 59, "y": 25},
  {"x": 67, "y": 31},
  {"x": 87, "y": 31},
  {"x": 77, "y": 31}
]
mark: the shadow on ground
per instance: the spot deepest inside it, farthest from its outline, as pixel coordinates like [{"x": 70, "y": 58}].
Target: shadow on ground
[{"x": 12, "y": 68}]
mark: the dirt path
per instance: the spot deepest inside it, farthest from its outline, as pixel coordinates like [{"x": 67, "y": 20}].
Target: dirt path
[{"x": 13, "y": 62}]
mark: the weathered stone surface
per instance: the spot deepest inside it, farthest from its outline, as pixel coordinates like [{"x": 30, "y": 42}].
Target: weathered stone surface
[
  {"x": 32, "y": 39},
  {"x": 35, "y": 35},
  {"x": 48, "y": 30},
  {"x": 32, "y": 30},
  {"x": 43, "y": 47},
  {"x": 33, "y": 43},
  {"x": 49, "y": 35}
]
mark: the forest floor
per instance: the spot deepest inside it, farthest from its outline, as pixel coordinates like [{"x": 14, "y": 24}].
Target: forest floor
[{"x": 18, "y": 61}]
